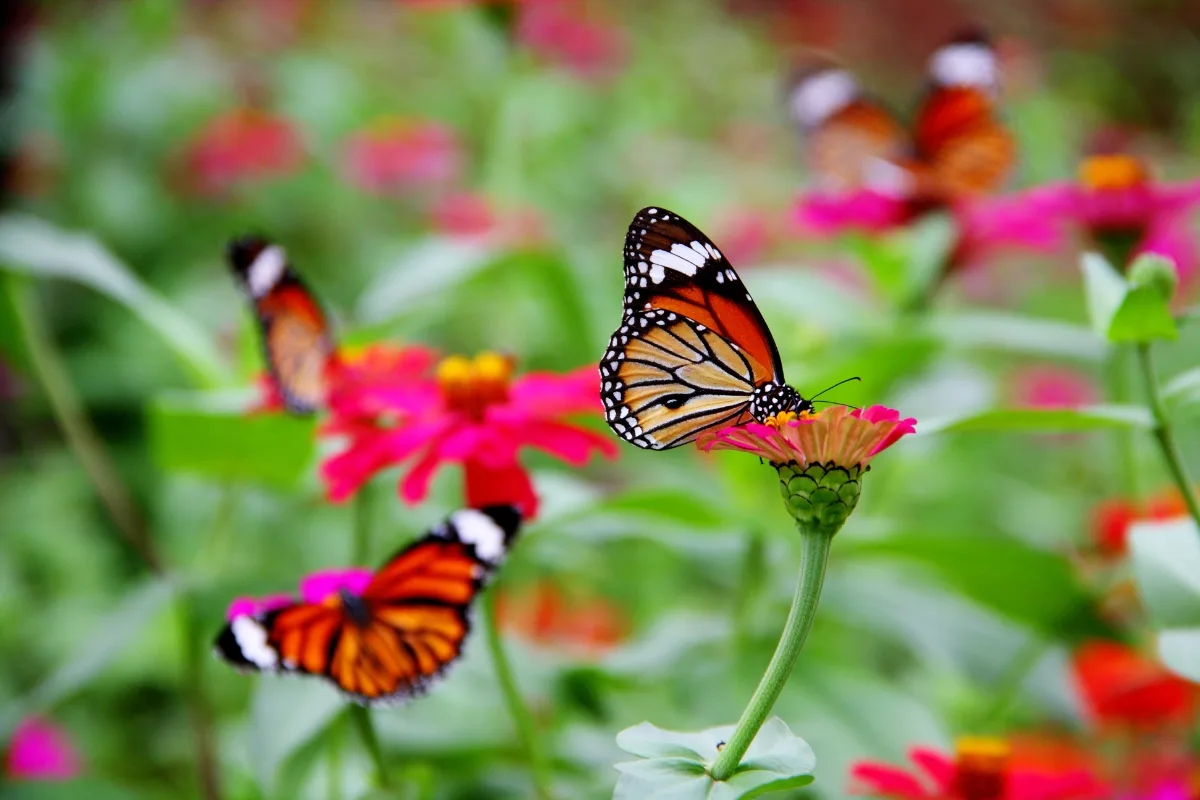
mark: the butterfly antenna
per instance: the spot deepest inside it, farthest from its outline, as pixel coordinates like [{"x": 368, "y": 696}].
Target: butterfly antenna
[
  {"x": 839, "y": 383},
  {"x": 836, "y": 403}
]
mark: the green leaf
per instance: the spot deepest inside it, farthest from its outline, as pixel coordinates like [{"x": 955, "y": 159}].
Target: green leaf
[
  {"x": 213, "y": 436},
  {"x": 676, "y": 763},
  {"x": 423, "y": 270},
  {"x": 1183, "y": 391},
  {"x": 1045, "y": 420},
  {"x": 1012, "y": 333},
  {"x": 930, "y": 240},
  {"x": 286, "y": 712},
  {"x": 33, "y": 247},
  {"x": 111, "y": 634},
  {"x": 1166, "y": 567},
  {"x": 1122, "y": 311}
]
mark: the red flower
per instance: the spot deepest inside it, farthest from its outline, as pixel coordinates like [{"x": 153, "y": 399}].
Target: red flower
[
  {"x": 244, "y": 145},
  {"x": 473, "y": 413},
  {"x": 1123, "y": 211},
  {"x": 1111, "y": 519},
  {"x": 562, "y": 33},
  {"x": 41, "y": 751},
  {"x": 982, "y": 769},
  {"x": 1122, "y": 688},
  {"x": 393, "y": 155},
  {"x": 543, "y": 615}
]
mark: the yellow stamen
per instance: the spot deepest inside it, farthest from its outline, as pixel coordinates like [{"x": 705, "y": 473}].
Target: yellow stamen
[
  {"x": 471, "y": 385},
  {"x": 981, "y": 768},
  {"x": 1117, "y": 171},
  {"x": 781, "y": 419}
]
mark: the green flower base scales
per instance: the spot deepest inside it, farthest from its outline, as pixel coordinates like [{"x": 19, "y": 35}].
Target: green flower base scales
[{"x": 820, "y": 497}]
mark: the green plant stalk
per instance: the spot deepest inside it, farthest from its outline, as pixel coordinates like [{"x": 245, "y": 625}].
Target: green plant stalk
[
  {"x": 366, "y": 730},
  {"x": 77, "y": 429},
  {"x": 814, "y": 556},
  {"x": 195, "y": 655},
  {"x": 1165, "y": 436},
  {"x": 521, "y": 716}
]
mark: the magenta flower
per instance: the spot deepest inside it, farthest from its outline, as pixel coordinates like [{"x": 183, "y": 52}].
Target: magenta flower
[
  {"x": 838, "y": 436},
  {"x": 990, "y": 225},
  {"x": 394, "y": 155},
  {"x": 242, "y": 146},
  {"x": 1053, "y": 387},
  {"x": 1123, "y": 211},
  {"x": 41, "y": 751},
  {"x": 314, "y": 588},
  {"x": 564, "y": 33},
  {"x": 472, "y": 413},
  {"x": 864, "y": 210}
]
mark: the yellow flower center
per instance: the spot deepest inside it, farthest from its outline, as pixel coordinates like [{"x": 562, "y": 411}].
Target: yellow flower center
[
  {"x": 470, "y": 385},
  {"x": 784, "y": 417},
  {"x": 1110, "y": 172},
  {"x": 980, "y": 768}
]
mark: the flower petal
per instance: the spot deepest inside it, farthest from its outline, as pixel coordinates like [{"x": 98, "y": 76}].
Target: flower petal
[
  {"x": 317, "y": 586},
  {"x": 568, "y": 442},
  {"x": 886, "y": 780},
  {"x": 508, "y": 484},
  {"x": 370, "y": 452}
]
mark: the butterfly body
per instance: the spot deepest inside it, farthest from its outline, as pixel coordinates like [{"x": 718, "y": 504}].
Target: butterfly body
[
  {"x": 296, "y": 339},
  {"x": 692, "y": 351},
  {"x": 401, "y": 633}
]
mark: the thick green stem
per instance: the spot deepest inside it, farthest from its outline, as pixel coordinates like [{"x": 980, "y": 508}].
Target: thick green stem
[
  {"x": 814, "y": 554},
  {"x": 521, "y": 716},
  {"x": 76, "y": 428},
  {"x": 366, "y": 730},
  {"x": 1164, "y": 435},
  {"x": 195, "y": 656}
]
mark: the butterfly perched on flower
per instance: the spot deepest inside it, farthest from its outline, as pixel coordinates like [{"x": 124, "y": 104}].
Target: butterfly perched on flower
[
  {"x": 404, "y": 629},
  {"x": 296, "y": 338},
  {"x": 956, "y": 146},
  {"x": 692, "y": 353}
]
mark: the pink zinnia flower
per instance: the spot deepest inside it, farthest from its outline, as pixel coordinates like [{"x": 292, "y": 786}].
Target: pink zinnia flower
[
  {"x": 563, "y": 33},
  {"x": 396, "y": 154},
  {"x": 472, "y": 413},
  {"x": 1123, "y": 689},
  {"x": 471, "y": 215},
  {"x": 243, "y": 145},
  {"x": 1053, "y": 387},
  {"x": 837, "y": 435},
  {"x": 314, "y": 589},
  {"x": 982, "y": 769},
  {"x": 991, "y": 225},
  {"x": 1123, "y": 211},
  {"x": 865, "y": 210},
  {"x": 41, "y": 751}
]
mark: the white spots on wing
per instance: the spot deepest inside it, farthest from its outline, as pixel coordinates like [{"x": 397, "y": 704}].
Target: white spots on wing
[
  {"x": 820, "y": 96},
  {"x": 478, "y": 529},
  {"x": 251, "y": 638},
  {"x": 266, "y": 270},
  {"x": 652, "y": 212},
  {"x": 720, "y": 277},
  {"x": 712, "y": 251},
  {"x": 674, "y": 260},
  {"x": 731, "y": 275},
  {"x": 694, "y": 253},
  {"x": 965, "y": 64},
  {"x": 657, "y": 273}
]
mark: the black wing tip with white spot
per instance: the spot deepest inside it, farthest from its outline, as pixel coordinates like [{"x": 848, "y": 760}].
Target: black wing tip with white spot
[
  {"x": 242, "y": 250},
  {"x": 973, "y": 33},
  {"x": 507, "y": 516}
]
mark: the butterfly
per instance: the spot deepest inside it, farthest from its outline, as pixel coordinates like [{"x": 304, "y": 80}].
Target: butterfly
[
  {"x": 296, "y": 338},
  {"x": 693, "y": 352},
  {"x": 956, "y": 147},
  {"x": 406, "y": 628}
]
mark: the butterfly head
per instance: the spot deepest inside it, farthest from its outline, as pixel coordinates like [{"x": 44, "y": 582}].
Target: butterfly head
[
  {"x": 354, "y": 607},
  {"x": 771, "y": 400}
]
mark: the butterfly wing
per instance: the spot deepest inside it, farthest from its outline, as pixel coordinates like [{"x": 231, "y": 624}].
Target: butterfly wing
[
  {"x": 847, "y": 136},
  {"x": 957, "y": 136},
  {"x": 296, "y": 339},
  {"x": 692, "y": 345},
  {"x": 404, "y": 631}
]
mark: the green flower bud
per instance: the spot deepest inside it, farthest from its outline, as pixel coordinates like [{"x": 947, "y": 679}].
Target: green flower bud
[
  {"x": 820, "y": 497},
  {"x": 1151, "y": 269}
]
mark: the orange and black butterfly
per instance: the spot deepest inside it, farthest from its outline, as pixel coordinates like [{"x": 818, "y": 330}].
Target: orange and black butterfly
[
  {"x": 401, "y": 633},
  {"x": 693, "y": 353},
  {"x": 296, "y": 338},
  {"x": 956, "y": 146}
]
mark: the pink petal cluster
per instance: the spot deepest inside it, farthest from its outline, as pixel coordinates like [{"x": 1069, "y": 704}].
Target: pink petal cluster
[
  {"x": 396, "y": 154},
  {"x": 837, "y": 435},
  {"x": 41, "y": 751},
  {"x": 314, "y": 588},
  {"x": 1053, "y": 387},
  {"x": 562, "y": 32},
  {"x": 990, "y": 225},
  {"x": 935, "y": 775},
  {"x": 426, "y": 423},
  {"x": 866, "y": 210},
  {"x": 244, "y": 145}
]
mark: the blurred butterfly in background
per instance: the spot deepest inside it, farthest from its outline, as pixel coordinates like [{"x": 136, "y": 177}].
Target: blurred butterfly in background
[
  {"x": 692, "y": 353},
  {"x": 401, "y": 633},
  {"x": 956, "y": 146},
  {"x": 296, "y": 338}
]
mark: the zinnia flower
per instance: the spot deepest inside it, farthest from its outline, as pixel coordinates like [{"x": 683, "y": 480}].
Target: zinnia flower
[
  {"x": 1122, "y": 688},
  {"x": 396, "y": 154},
  {"x": 473, "y": 412},
  {"x": 1052, "y": 387},
  {"x": 1112, "y": 519},
  {"x": 866, "y": 210},
  {"x": 41, "y": 751},
  {"x": 1123, "y": 211},
  {"x": 244, "y": 145},
  {"x": 543, "y": 615},
  {"x": 820, "y": 457},
  {"x": 563, "y": 33},
  {"x": 981, "y": 769},
  {"x": 314, "y": 588}
]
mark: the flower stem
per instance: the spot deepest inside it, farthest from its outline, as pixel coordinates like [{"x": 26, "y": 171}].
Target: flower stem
[
  {"x": 366, "y": 730},
  {"x": 76, "y": 428},
  {"x": 814, "y": 554},
  {"x": 521, "y": 716},
  {"x": 1165, "y": 436}
]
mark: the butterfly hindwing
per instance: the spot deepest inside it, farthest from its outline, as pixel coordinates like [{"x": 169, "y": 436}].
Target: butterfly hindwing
[
  {"x": 406, "y": 628},
  {"x": 297, "y": 342}
]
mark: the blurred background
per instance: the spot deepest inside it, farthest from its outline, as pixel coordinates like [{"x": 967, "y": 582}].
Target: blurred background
[{"x": 460, "y": 175}]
